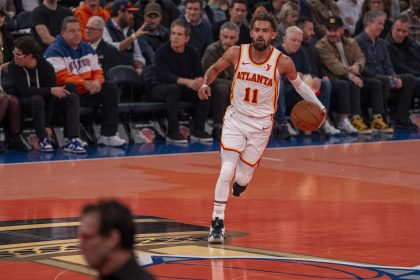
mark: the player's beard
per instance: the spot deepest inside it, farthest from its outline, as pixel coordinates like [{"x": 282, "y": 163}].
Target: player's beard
[{"x": 260, "y": 45}]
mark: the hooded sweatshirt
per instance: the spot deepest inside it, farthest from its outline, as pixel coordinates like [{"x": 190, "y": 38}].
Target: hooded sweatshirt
[
  {"x": 74, "y": 66},
  {"x": 83, "y": 13}
]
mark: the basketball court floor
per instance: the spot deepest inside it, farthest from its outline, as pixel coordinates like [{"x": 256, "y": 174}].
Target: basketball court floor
[{"x": 317, "y": 208}]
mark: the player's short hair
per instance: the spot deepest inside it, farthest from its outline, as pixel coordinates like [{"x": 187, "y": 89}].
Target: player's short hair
[
  {"x": 113, "y": 216},
  {"x": 264, "y": 17},
  {"x": 180, "y": 22}
]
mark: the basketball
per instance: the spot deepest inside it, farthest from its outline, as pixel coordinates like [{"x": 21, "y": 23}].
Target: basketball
[{"x": 306, "y": 115}]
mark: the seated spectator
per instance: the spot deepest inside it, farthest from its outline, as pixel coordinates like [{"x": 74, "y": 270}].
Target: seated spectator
[
  {"x": 344, "y": 60},
  {"x": 118, "y": 33},
  {"x": 414, "y": 14},
  {"x": 47, "y": 19},
  {"x": 201, "y": 35},
  {"x": 107, "y": 53},
  {"x": 76, "y": 66},
  {"x": 220, "y": 88},
  {"x": 34, "y": 82},
  {"x": 220, "y": 8},
  {"x": 107, "y": 237},
  {"x": 288, "y": 16},
  {"x": 9, "y": 7},
  {"x": 237, "y": 15},
  {"x": 378, "y": 64},
  {"x": 87, "y": 10},
  {"x": 318, "y": 70},
  {"x": 322, "y": 10},
  {"x": 155, "y": 34},
  {"x": 259, "y": 9},
  {"x": 178, "y": 76},
  {"x": 349, "y": 12},
  {"x": 274, "y": 7},
  {"x": 374, "y": 5},
  {"x": 170, "y": 12},
  {"x": 6, "y": 39},
  {"x": 288, "y": 96},
  {"x": 404, "y": 52}
]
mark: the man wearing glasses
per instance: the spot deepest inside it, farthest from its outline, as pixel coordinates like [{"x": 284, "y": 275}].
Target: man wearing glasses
[{"x": 107, "y": 53}]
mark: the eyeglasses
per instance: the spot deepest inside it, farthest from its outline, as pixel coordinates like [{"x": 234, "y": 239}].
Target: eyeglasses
[
  {"x": 93, "y": 28},
  {"x": 19, "y": 55}
]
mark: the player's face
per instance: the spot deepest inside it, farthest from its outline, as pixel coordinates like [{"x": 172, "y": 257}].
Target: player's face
[
  {"x": 93, "y": 246},
  {"x": 262, "y": 34},
  {"x": 293, "y": 41},
  {"x": 399, "y": 31},
  {"x": 228, "y": 38},
  {"x": 334, "y": 35},
  {"x": 72, "y": 34}
]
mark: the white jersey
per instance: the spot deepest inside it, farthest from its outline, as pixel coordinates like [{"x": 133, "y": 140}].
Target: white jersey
[{"x": 255, "y": 86}]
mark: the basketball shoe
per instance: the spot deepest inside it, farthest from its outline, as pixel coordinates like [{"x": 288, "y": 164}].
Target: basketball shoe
[
  {"x": 217, "y": 232},
  {"x": 238, "y": 189},
  {"x": 378, "y": 124},
  {"x": 361, "y": 127},
  {"x": 346, "y": 126}
]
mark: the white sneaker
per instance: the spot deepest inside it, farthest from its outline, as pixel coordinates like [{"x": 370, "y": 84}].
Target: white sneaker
[
  {"x": 291, "y": 130},
  {"x": 111, "y": 141},
  {"x": 84, "y": 144},
  {"x": 346, "y": 126},
  {"x": 329, "y": 129}
]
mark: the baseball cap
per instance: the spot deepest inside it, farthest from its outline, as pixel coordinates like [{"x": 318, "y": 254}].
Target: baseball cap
[
  {"x": 152, "y": 8},
  {"x": 2, "y": 11},
  {"x": 334, "y": 22},
  {"x": 123, "y": 5}
]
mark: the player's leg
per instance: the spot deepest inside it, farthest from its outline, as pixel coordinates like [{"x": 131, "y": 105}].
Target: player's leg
[
  {"x": 229, "y": 162},
  {"x": 243, "y": 177}
]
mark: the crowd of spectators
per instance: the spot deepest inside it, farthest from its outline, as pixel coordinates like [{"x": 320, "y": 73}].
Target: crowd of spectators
[{"x": 361, "y": 58}]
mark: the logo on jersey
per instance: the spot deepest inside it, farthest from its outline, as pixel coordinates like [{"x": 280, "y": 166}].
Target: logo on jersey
[
  {"x": 253, "y": 77},
  {"x": 268, "y": 66},
  {"x": 245, "y": 63}
]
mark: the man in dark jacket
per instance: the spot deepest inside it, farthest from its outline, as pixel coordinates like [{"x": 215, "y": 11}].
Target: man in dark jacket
[
  {"x": 404, "y": 52},
  {"x": 34, "y": 82}
]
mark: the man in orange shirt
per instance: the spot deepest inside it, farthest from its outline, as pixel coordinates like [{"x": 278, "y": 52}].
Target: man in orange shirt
[{"x": 87, "y": 10}]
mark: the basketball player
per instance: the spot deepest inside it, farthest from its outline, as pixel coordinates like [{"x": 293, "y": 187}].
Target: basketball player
[{"x": 249, "y": 120}]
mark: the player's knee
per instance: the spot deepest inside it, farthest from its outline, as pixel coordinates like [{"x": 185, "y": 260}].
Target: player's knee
[
  {"x": 226, "y": 172},
  {"x": 243, "y": 179}
]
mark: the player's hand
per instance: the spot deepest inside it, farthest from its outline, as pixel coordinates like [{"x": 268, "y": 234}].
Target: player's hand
[{"x": 204, "y": 92}]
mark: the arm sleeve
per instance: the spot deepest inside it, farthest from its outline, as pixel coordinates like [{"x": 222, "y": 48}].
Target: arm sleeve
[{"x": 305, "y": 91}]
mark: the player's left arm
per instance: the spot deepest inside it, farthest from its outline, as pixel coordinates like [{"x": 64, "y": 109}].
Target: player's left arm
[{"x": 287, "y": 67}]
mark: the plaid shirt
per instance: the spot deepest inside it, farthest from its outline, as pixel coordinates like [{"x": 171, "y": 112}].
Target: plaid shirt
[{"x": 414, "y": 26}]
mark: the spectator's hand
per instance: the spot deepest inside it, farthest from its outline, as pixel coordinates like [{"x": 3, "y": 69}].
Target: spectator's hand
[
  {"x": 198, "y": 82},
  {"x": 204, "y": 92},
  {"x": 316, "y": 84},
  {"x": 140, "y": 32},
  {"x": 92, "y": 86},
  {"x": 357, "y": 81},
  {"x": 59, "y": 92},
  {"x": 354, "y": 69},
  {"x": 139, "y": 71},
  {"x": 398, "y": 82}
]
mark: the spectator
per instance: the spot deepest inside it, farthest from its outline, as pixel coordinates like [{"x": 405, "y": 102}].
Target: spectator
[
  {"x": 25, "y": 5},
  {"x": 259, "y": 9},
  {"x": 6, "y": 39},
  {"x": 87, "y": 10},
  {"x": 404, "y": 52},
  {"x": 274, "y": 6},
  {"x": 321, "y": 11},
  {"x": 76, "y": 65},
  {"x": 179, "y": 76},
  {"x": 107, "y": 238},
  {"x": 9, "y": 7},
  {"x": 374, "y": 5},
  {"x": 229, "y": 36},
  {"x": 414, "y": 14},
  {"x": 344, "y": 61},
  {"x": 220, "y": 8},
  {"x": 288, "y": 96},
  {"x": 155, "y": 33},
  {"x": 394, "y": 10},
  {"x": 118, "y": 33},
  {"x": 349, "y": 12},
  {"x": 170, "y": 12},
  {"x": 47, "y": 19},
  {"x": 318, "y": 70},
  {"x": 288, "y": 16},
  {"x": 107, "y": 53},
  {"x": 201, "y": 35},
  {"x": 237, "y": 15},
  {"x": 378, "y": 64},
  {"x": 34, "y": 82}
]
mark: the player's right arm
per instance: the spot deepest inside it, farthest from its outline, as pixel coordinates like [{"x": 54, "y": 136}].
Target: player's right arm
[{"x": 230, "y": 57}]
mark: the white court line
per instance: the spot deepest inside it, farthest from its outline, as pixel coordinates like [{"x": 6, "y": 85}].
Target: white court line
[{"x": 208, "y": 152}]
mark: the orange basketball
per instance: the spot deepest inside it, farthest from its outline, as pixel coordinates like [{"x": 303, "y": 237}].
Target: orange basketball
[{"x": 306, "y": 115}]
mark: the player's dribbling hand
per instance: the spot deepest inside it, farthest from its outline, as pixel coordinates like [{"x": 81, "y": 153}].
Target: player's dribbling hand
[{"x": 204, "y": 92}]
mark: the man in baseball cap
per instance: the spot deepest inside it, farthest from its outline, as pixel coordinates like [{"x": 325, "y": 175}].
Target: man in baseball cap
[
  {"x": 334, "y": 23},
  {"x": 123, "y": 5}
]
